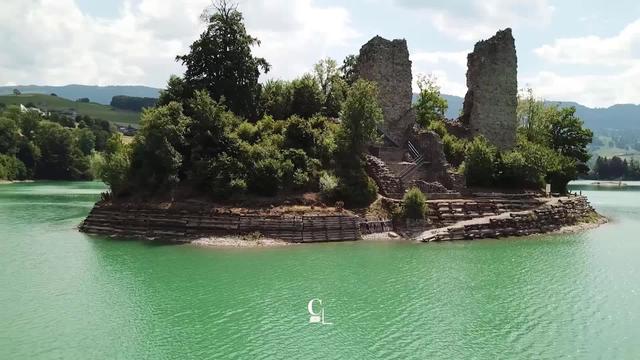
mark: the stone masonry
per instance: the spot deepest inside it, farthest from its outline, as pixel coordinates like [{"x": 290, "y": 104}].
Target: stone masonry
[
  {"x": 491, "y": 100},
  {"x": 387, "y": 63}
]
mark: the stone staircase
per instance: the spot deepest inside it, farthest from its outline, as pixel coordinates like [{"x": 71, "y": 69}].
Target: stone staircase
[
  {"x": 389, "y": 184},
  {"x": 448, "y": 212}
]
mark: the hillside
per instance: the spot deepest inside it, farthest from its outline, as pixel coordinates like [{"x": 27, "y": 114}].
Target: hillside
[
  {"x": 56, "y": 103},
  {"x": 99, "y": 94},
  {"x": 620, "y": 116}
]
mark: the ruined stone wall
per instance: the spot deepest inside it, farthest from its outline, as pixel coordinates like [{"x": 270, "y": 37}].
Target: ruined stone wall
[
  {"x": 387, "y": 63},
  {"x": 491, "y": 101}
]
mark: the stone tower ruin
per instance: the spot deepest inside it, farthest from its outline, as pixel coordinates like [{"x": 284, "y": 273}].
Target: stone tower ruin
[
  {"x": 387, "y": 63},
  {"x": 491, "y": 100}
]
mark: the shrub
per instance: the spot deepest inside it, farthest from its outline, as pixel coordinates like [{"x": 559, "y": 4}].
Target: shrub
[
  {"x": 275, "y": 99},
  {"x": 265, "y": 177},
  {"x": 12, "y": 168},
  {"x": 439, "y": 128},
  {"x": 414, "y": 204},
  {"x": 358, "y": 192},
  {"x": 300, "y": 179},
  {"x": 114, "y": 168},
  {"x": 307, "y": 98},
  {"x": 247, "y": 132},
  {"x": 328, "y": 185},
  {"x": 299, "y": 135},
  {"x": 480, "y": 162},
  {"x": 454, "y": 149},
  {"x": 525, "y": 167}
]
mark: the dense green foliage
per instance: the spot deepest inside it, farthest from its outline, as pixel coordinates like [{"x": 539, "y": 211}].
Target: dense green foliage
[
  {"x": 480, "y": 160},
  {"x": 221, "y": 62},
  {"x": 431, "y": 106},
  {"x": 132, "y": 103},
  {"x": 551, "y": 148},
  {"x": 51, "y": 147},
  {"x": 414, "y": 204},
  {"x": 616, "y": 168},
  {"x": 321, "y": 92}
]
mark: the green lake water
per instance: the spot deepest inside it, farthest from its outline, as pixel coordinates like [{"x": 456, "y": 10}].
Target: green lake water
[{"x": 66, "y": 295}]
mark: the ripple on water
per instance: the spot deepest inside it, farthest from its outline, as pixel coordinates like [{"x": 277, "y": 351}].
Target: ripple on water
[{"x": 67, "y": 295}]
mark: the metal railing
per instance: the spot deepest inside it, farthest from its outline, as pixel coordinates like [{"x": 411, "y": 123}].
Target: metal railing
[{"x": 417, "y": 162}]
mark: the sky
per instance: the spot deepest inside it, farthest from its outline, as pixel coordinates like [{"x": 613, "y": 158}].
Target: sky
[{"x": 568, "y": 50}]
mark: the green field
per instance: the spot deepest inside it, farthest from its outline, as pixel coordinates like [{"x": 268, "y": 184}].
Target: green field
[
  {"x": 611, "y": 149},
  {"x": 54, "y": 103}
]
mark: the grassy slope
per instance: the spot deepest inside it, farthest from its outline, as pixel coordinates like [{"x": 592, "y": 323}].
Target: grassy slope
[{"x": 97, "y": 111}]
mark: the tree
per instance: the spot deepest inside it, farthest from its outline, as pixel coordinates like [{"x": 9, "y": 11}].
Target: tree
[
  {"x": 114, "y": 170},
  {"x": 479, "y": 164},
  {"x": 324, "y": 71},
  {"x": 156, "y": 151},
  {"x": 210, "y": 144},
  {"x": 86, "y": 140},
  {"x": 83, "y": 100},
  {"x": 9, "y": 136},
  {"x": 16, "y": 92},
  {"x": 177, "y": 91},
  {"x": 431, "y": 106},
  {"x": 221, "y": 62},
  {"x": 332, "y": 85},
  {"x": 336, "y": 96},
  {"x": 569, "y": 137},
  {"x": 276, "y": 99},
  {"x": 361, "y": 115},
  {"x": 307, "y": 96},
  {"x": 132, "y": 103},
  {"x": 59, "y": 158},
  {"x": 299, "y": 135},
  {"x": 348, "y": 69}
]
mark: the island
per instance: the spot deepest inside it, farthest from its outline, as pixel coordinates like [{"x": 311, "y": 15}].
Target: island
[{"x": 342, "y": 153}]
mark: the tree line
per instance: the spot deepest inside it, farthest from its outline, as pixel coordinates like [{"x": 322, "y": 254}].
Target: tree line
[
  {"x": 615, "y": 168},
  {"x": 53, "y": 147}
]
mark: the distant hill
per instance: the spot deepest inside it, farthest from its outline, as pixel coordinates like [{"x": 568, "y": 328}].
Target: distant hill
[
  {"x": 98, "y": 94},
  {"x": 622, "y": 116},
  {"x": 57, "y": 103},
  {"x": 625, "y": 116}
]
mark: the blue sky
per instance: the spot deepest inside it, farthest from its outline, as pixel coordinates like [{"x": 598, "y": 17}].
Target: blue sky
[{"x": 585, "y": 51}]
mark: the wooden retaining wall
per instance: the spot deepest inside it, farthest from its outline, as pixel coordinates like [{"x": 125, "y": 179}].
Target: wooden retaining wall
[{"x": 186, "y": 226}]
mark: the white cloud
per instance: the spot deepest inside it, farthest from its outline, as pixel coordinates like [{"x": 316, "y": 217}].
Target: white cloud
[
  {"x": 440, "y": 64},
  {"x": 458, "y": 58},
  {"x": 609, "y": 71},
  {"x": 469, "y": 20},
  {"x": 53, "y": 42},
  {"x": 296, "y": 34},
  {"x": 589, "y": 90},
  {"x": 621, "y": 49}
]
